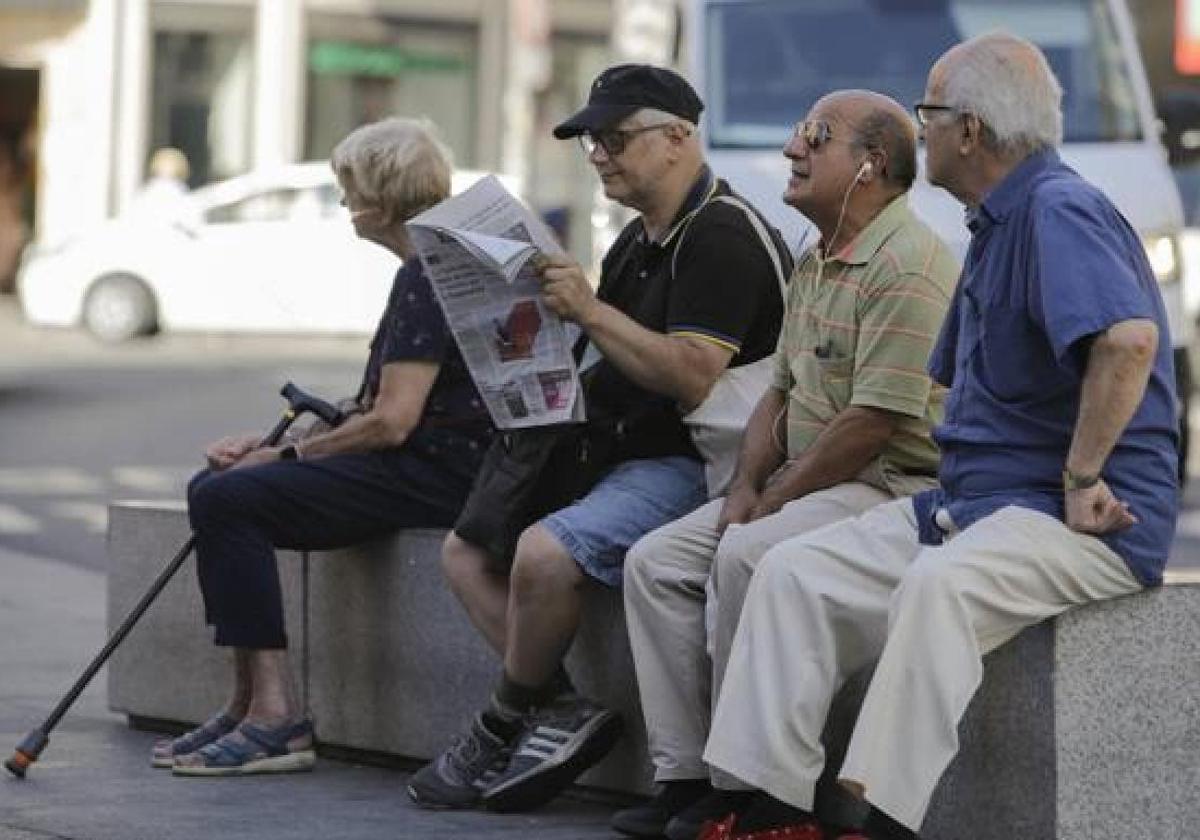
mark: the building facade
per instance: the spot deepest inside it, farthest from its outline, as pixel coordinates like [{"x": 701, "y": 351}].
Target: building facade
[{"x": 91, "y": 88}]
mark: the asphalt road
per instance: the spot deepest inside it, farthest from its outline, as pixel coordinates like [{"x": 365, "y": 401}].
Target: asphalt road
[{"x": 82, "y": 424}]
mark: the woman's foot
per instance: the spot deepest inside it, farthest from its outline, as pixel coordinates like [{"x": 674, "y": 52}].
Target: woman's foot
[
  {"x": 166, "y": 750},
  {"x": 253, "y": 748}
]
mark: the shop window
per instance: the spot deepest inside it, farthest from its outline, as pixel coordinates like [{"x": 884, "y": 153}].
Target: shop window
[
  {"x": 416, "y": 72},
  {"x": 201, "y": 102}
]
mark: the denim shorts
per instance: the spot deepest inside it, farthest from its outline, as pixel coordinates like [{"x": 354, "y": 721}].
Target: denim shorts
[{"x": 630, "y": 501}]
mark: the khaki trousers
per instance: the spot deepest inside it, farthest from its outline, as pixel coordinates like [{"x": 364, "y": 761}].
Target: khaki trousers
[
  {"x": 666, "y": 573},
  {"x": 823, "y": 606}
]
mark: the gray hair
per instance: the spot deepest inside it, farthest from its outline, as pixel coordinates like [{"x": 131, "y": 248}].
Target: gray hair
[
  {"x": 397, "y": 164},
  {"x": 1007, "y": 82},
  {"x": 884, "y": 130},
  {"x": 654, "y": 116}
]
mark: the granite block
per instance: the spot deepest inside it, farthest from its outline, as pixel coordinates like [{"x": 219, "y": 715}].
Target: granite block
[
  {"x": 1086, "y": 727},
  {"x": 393, "y": 664},
  {"x": 1127, "y": 702},
  {"x": 167, "y": 667}
]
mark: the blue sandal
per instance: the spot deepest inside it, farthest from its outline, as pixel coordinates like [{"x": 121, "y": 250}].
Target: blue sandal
[
  {"x": 251, "y": 749},
  {"x": 167, "y": 750}
]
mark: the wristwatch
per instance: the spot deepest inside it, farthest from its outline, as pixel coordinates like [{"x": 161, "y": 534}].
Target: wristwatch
[
  {"x": 290, "y": 453},
  {"x": 1079, "y": 481}
]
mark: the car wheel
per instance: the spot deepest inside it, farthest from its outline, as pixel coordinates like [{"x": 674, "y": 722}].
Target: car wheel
[{"x": 119, "y": 307}]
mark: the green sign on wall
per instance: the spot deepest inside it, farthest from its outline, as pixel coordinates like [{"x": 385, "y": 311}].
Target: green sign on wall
[{"x": 339, "y": 58}]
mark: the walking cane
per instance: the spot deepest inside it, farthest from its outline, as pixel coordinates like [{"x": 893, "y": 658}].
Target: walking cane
[{"x": 31, "y": 746}]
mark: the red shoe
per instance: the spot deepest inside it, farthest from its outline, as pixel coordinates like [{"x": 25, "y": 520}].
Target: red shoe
[
  {"x": 723, "y": 830},
  {"x": 719, "y": 830}
]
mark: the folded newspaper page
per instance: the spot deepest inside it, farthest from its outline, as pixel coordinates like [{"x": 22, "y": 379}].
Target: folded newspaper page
[{"x": 477, "y": 248}]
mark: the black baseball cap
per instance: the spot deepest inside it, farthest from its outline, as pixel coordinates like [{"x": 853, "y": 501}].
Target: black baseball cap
[{"x": 621, "y": 90}]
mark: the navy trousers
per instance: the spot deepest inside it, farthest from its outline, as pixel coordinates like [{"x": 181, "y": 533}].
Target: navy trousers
[{"x": 240, "y": 516}]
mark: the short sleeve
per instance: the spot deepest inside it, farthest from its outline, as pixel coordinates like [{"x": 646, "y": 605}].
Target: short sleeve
[
  {"x": 724, "y": 280},
  {"x": 415, "y": 329},
  {"x": 1090, "y": 271},
  {"x": 900, "y": 319}
]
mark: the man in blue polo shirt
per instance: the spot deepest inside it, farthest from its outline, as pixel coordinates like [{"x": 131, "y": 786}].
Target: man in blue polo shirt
[{"x": 1057, "y": 484}]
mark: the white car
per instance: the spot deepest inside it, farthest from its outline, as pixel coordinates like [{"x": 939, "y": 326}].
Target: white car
[{"x": 270, "y": 251}]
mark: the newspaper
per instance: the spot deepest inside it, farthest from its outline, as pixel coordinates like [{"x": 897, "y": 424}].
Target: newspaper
[{"x": 477, "y": 248}]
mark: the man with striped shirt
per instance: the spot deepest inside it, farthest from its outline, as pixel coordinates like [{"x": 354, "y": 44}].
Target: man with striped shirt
[{"x": 846, "y": 426}]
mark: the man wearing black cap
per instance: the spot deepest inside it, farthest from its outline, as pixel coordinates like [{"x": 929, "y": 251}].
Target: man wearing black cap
[{"x": 690, "y": 287}]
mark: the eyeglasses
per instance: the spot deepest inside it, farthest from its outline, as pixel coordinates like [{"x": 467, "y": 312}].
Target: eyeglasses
[
  {"x": 613, "y": 140},
  {"x": 926, "y": 111},
  {"x": 815, "y": 133}
]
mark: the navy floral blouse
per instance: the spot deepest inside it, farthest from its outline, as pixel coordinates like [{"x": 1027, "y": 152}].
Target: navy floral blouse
[{"x": 455, "y": 427}]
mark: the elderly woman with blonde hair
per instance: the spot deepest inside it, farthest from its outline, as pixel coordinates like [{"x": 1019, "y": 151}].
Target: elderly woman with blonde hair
[{"x": 406, "y": 459}]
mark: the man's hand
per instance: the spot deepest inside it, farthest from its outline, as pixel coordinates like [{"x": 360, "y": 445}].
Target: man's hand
[
  {"x": 229, "y": 450},
  {"x": 738, "y": 508},
  {"x": 1095, "y": 510},
  {"x": 263, "y": 455},
  {"x": 769, "y": 501},
  {"x": 565, "y": 288}
]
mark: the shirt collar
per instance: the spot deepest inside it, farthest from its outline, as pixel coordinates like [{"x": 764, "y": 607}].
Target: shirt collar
[
  {"x": 861, "y": 249},
  {"x": 702, "y": 190},
  {"x": 1004, "y": 197}
]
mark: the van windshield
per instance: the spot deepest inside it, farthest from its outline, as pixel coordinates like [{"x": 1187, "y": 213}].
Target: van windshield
[{"x": 770, "y": 60}]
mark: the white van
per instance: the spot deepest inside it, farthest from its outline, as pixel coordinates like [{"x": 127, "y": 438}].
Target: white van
[{"x": 760, "y": 64}]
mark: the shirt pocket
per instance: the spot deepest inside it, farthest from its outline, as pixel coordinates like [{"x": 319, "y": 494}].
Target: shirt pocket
[
  {"x": 1013, "y": 359},
  {"x": 836, "y": 379}
]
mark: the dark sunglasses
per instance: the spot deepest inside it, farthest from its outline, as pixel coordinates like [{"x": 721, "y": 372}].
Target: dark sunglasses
[
  {"x": 815, "y": 133},
  {"x": 613, "y": 140},
  {"x": 926, "y": 111}
]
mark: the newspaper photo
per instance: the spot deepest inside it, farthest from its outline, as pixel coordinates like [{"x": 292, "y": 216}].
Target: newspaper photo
[{"x": 478, "y": 249}]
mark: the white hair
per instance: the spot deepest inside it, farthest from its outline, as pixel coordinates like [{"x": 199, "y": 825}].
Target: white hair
[
  {"x": 655, "y": 116},
  {"x": 1007, "y": 82},
  {"x": 397, "y": 164}
]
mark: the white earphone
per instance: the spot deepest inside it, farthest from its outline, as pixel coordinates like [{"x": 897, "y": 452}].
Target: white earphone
[{"x": 860, "y": 177}]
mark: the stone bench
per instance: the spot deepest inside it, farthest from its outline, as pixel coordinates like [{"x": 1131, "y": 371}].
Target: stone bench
[{"x": 1086, "y": 727}]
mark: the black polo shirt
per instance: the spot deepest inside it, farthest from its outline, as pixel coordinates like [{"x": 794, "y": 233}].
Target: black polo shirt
[{"x": 722, "y": 287}]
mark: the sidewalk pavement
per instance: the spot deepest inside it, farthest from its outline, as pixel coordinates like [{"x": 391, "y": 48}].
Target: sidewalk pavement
[{"x": 94, "y": 780}]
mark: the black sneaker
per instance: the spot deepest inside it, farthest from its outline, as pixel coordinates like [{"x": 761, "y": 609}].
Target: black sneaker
[
  {"x": 717, "y": 805},
  {"x": 558, "y": 743},
  {"x": 457, "y": 777},
  {"x": 650, "y": 818}
]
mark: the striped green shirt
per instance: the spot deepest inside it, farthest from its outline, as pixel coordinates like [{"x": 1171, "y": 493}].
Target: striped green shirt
[{"x": 859, "y": 330}]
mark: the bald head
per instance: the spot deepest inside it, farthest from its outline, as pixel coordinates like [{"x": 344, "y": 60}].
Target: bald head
[
  {"x": 1007, "y": 83},
  {"x": 883, "y": 129}
]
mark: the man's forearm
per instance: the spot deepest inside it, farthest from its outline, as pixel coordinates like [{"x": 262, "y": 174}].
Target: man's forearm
[
  {"x": 1118, "y": 368},
  {"x": 761, "y": 454},
  {"x": 853, "y": 439},
  {"x": 660, "y": 363}
]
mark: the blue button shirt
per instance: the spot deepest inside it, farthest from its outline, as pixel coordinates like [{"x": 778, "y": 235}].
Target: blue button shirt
[{"x": 1050, "y": 264}]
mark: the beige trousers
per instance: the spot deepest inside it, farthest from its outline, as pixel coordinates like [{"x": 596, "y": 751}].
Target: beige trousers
[
  {"x": 666, "y": 573},
  {"x": 823, "y": 606}
]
